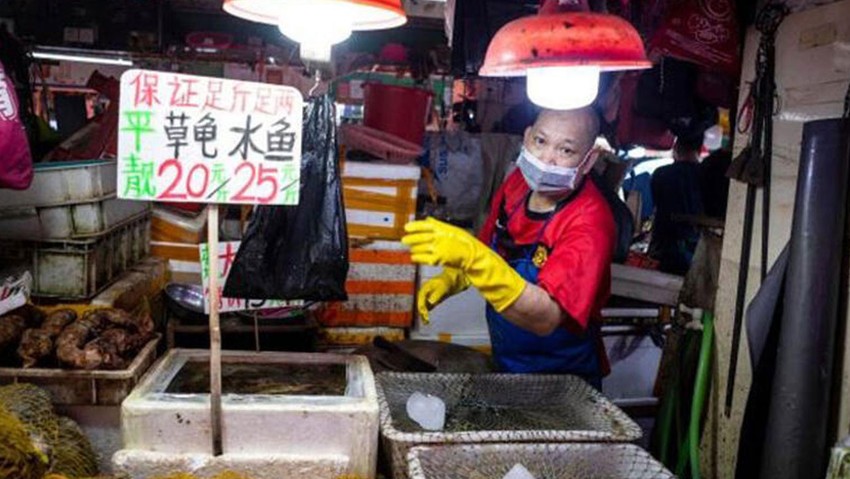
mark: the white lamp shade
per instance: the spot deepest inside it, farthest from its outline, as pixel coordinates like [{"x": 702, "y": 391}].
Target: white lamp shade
[{"x": 361, "y": 14}]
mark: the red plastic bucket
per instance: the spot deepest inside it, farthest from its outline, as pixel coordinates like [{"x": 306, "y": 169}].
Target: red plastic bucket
[{"x": 397, "y": 110}]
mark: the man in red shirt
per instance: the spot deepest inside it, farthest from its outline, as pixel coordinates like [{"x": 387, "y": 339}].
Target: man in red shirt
[{"x": 542, "y": 260}]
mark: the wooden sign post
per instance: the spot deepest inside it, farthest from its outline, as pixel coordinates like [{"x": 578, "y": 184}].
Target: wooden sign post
[
  {"x": 191, "y": 139},
  {"x": 215, "y": 334}
]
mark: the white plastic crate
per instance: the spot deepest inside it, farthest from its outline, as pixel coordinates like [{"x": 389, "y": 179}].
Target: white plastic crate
[
  {"x": 64, "y": 183},
  {"x": 79, "y": 269},
  {"x": 75, "y": 221}
]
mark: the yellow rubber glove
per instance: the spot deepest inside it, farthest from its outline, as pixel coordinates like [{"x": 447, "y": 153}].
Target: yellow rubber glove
[
  {"x": 446, "y": 284},
  {"x": 436, "y": 243}
]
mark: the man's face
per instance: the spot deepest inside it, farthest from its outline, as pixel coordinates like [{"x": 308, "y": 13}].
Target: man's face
[{"x": 562, "y": 138}]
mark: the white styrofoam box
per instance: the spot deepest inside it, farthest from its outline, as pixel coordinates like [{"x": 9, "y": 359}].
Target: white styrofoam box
[
  {"x": 184, "y": 271},
  {"x": 461, "y": 315},
  {"x": 380, "y": 171},
  {"x": 312, "y": 428},
  {"x": 378, "y": 219},
  {"x": 68, "y": 221},
  {"x": 64, "y": 183},
  {"x": 634, "y": 365},
  {"x": 280, "y": 465}
]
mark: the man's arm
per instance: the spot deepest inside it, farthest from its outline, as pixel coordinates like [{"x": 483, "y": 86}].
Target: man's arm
[
  {"x": 568, "y": 283},
  {"x": 536, "y": 311}
]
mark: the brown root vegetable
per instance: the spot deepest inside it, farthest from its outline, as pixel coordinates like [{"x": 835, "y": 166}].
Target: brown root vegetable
[
  {"x": 115, "y": 347},
  {"x": 72, "y": 340},
  {"x": 11, "y": 329},
  {"x": 31, "y": 314},
  {"x": 36, "y": 344},
  {"x": 123, "y": 319},
  {"x": 57, "y": 320},
  {"x": 103, "y": 339},
  {"x": 100, "y": 354},
  {"x": 145, "y": 325},
  {"x": 126, "y": 342}
]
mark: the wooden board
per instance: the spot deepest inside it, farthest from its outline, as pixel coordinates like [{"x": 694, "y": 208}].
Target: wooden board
[{"x": 645, "y": 285}]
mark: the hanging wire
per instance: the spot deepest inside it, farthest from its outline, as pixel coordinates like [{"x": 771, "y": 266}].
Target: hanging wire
[{"x": 760, "y": 148}]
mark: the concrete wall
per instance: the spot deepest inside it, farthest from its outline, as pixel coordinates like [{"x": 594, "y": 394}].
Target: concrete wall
[{"x": 813, "y": 68}]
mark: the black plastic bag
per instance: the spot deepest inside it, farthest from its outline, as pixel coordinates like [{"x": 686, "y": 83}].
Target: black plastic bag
[{"x": 299, "y": 252}]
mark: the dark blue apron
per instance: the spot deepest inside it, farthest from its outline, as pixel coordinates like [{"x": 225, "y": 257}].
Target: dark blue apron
[{"x": 516, "y": 350}]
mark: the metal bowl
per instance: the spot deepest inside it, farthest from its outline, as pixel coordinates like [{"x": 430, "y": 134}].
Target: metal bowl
[{"x": 186, "y": 301}]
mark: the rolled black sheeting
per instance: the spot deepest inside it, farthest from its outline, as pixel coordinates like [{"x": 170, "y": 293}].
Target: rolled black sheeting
[
  {"x": 795, "y": 441},
  {"x": 764, "y": 318}
]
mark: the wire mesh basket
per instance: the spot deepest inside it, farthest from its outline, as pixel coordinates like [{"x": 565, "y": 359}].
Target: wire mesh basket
[
  {"x": 498, "y": 408},
  {"x": 543, "y": 461}
]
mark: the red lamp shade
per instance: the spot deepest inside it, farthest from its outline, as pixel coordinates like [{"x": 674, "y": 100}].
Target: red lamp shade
[
  {"x": 365, "y": 14},
  {"x": 564, "y": 40}
]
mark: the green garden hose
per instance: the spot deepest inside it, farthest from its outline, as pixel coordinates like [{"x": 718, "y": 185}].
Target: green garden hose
[{"x": 701, "y": 390}]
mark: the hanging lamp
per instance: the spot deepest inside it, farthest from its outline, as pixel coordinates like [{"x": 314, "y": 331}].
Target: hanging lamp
[
  {"x": 318, "y": 24},
  {"x": 563, "y": 54}
]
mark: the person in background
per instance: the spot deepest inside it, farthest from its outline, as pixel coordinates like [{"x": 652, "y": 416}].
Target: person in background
[
  {"x": 714, "y": 183},
  {"x": 542, "y": 260},
  {"x": 676, "y": 192}
]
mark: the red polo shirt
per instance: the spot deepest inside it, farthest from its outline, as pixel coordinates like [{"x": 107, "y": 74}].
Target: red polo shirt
[{"x": 579, "y": 238}]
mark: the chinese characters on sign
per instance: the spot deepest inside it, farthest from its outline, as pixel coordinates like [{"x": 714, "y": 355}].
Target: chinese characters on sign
[
  {"x": 185, "y": 138},
  {"x": 226, "y": 256}
]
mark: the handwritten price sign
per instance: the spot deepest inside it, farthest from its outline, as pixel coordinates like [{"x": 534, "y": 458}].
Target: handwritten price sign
[
  {"x": 185, "y": 138},
  {"x": 226, "y": 255}
]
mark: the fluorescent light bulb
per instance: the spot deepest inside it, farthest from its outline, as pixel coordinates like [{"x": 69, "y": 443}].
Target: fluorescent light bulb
[
  {"x": 82, "y": 58},
  {"x": 317, "y": 25},
  {"x": 563, "y": 88}
]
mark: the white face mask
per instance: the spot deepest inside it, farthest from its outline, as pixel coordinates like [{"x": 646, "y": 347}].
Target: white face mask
[{"x": 545, "y": 178}]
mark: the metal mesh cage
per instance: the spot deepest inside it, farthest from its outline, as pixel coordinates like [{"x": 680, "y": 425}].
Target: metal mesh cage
[
  {"x": 498, "y": 408},
  {"x": 543, "y": 461}
]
